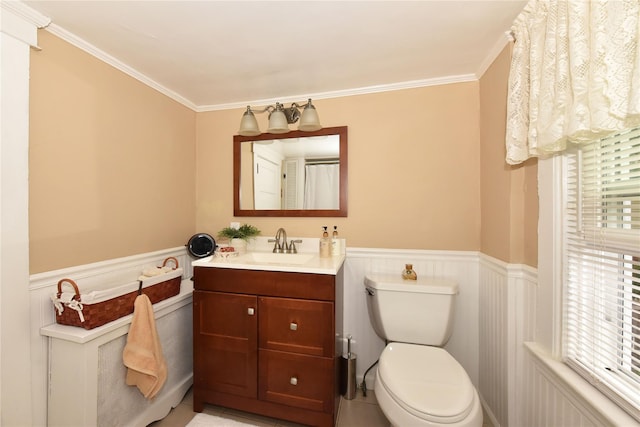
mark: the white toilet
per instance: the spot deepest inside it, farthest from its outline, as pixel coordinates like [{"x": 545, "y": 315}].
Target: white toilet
[{"x": 418, "y": 383}]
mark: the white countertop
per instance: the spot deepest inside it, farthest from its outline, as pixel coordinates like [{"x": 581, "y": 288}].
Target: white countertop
[{"x": 309, "y": 259}]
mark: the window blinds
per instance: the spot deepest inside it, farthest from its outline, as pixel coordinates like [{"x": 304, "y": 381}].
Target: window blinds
[{"x": 602, "y": 266}]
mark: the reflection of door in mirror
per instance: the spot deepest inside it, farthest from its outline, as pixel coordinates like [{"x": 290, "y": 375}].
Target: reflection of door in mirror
[{"x": 266, "y": 177}]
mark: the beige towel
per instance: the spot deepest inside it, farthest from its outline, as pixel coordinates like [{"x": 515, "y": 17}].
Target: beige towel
[{"x": 142, "y": 355}]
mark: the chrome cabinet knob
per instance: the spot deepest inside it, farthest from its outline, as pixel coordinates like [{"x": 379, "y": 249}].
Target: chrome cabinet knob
[
  {"x": 293, "y": 381},
  {"x": 251, "y": 311},
  {"x": 293, "y": 326}
]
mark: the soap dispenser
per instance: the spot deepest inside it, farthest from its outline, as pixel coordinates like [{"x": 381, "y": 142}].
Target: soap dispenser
[
  {"x": 336, "y": 248},
  {"x": 325, "y": 243}
]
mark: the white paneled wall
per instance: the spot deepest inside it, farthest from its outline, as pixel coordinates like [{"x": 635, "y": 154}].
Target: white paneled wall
[
  {"x": 507, "y": 320},
  {"x": 522, "y": 282},
  {"x": 550, "y": 402},
  {"x": 120, "y": 405},
  {"x": 520, "y": 383},
  {"x": 493, "y": 340}
]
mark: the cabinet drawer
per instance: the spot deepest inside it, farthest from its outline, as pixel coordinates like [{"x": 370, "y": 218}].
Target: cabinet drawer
[
  {"x": 296, "y": 380},
  {"x": 298, "y": 326},
  {"x": 268, "y": 283}
]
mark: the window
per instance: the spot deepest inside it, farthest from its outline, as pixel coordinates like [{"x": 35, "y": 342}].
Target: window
[{"x": 602, "y": 266}]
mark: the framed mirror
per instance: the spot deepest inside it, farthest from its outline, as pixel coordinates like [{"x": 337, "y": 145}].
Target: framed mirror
[{"x": 296, "y": 174}]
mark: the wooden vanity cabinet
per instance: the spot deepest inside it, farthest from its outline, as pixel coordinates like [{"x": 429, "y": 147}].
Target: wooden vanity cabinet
[{"x": 267, "y": 342}]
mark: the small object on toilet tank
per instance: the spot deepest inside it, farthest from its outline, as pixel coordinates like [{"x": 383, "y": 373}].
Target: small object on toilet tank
[{"x": 408, "y": 273}]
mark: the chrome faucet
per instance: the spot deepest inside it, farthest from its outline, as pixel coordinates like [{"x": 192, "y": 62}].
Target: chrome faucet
[{"x": 280, "y": 245}]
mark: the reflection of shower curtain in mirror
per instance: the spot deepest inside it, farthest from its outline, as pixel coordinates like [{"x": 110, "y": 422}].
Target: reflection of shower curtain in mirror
[{"x": 321, "y": 186}]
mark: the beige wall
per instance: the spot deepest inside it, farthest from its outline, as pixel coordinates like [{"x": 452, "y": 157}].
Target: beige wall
[
  {"x": 509, "y": 193},
  {"x": 111, "y": 162},
  {"x": 413, "y": 170},
  {"x": 117, "y": 168}
]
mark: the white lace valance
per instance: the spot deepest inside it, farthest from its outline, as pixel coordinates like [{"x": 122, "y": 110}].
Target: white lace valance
[{"x": 575, "y": 74}]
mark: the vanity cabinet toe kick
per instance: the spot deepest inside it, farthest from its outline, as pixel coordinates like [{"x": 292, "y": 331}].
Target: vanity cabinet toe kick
[{"x": 266, "y": 342}]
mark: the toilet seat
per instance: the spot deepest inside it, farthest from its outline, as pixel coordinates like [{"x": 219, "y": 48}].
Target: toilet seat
[{"x": 427, "y": 382}]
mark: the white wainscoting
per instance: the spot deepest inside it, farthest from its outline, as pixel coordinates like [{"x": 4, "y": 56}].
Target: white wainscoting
[
  {"x": 89, "y": 276},
  {"x": 495, "y": 318},
  {"x": 550, "y": 401},
  {"x": 558, "y": 396},
  {"x": 493, "y": 350},
  {"x": 520, "y": 383},
  {"x": 507, "y": 320}
]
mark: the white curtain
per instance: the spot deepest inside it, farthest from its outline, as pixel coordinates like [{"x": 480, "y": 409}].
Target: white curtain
[
  {"x": 575, "y": 74},
  {"x": 322, "y": 184}
]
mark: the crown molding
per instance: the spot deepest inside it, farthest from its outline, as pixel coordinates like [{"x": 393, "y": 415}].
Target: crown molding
[
  {"x": 21, "y": 22},
  {"x": 496, "y": 50},
  {"x": 105, "y": 57},
  {"x": 25, "y": 12},
  {"x": 413, "y": 84}
]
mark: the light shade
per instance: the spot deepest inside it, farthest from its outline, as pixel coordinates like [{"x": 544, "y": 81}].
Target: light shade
[
  {"x": 280, "y": 118},
  {"x": 278, "y": 121},
  {"x": 249, "y": 124},
  {"x": 309, "y": 120}
]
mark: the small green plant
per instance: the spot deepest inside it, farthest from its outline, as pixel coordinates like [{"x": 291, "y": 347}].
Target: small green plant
[{"x": 245, "y": 232}]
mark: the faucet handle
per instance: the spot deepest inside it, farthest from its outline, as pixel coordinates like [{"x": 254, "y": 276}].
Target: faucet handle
[
  {"x": 292, "y": 246},
  {"x": 276, "y": 248}
]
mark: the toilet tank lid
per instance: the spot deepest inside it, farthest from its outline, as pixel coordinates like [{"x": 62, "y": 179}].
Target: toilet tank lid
[{"x": 427, "y": 285}]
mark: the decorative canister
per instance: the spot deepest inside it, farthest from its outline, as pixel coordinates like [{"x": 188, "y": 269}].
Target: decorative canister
[
  {"x": 408, "y": 273},
  {"x": 240, "y": 245}
]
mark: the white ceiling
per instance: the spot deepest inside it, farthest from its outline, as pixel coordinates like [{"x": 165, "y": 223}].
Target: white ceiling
[{"x": 223, "y": 54}]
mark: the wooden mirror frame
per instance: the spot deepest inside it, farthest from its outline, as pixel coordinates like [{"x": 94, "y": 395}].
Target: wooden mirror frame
[{"x": 341, "y": 212}]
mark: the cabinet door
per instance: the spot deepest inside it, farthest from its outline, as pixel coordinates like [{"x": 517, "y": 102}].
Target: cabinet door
[
  {"x": 295, "y": 325},
  {"x": 225, "y": 342}
]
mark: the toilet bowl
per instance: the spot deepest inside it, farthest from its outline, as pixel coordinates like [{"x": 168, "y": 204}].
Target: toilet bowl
[
  {"x": 425, "y": 386},
  {"x": 418, "y": 382}
]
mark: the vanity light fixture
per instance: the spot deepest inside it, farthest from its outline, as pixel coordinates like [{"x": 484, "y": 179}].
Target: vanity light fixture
[{"x": 280, "y": 118}]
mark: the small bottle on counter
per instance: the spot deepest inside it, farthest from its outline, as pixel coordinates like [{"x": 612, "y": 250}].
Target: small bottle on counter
[
  {"x": 408, "y": 273},
  {"x": 325, "y": 244},
  {"x": 336, "y": 248}
]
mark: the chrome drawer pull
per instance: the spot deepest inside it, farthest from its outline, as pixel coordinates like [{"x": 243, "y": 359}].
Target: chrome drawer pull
[
  {"x": 293, "y": 381},
  {"x": 293, "y": 326},
  {"x": 251, "y": 311}
]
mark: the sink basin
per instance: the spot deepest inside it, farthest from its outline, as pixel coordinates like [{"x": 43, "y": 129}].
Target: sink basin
[{"x": 272, "y": 258}]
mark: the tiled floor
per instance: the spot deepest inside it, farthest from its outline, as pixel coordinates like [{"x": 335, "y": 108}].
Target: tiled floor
[{"x": 359, "y": 412}]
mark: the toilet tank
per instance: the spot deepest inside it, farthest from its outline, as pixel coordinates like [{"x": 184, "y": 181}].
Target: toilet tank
[{"x": 413, "y": 311}]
